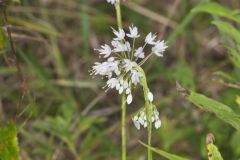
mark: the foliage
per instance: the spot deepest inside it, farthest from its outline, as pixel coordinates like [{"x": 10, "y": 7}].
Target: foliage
[
  {"x": 8, "y": 142},
  {"x": 65, "y": 115}
]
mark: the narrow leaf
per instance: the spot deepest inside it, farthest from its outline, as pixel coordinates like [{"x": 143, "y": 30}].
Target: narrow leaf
[
  {"x": 229, "y": 29},
  {"x": 38, "y": 26},
  {"x": 222, "y": 111},
  {"x": 164, "y": 154},
  {"x": 217, "y": 9},
  {"x": 234, "y": 56},
  {"x": 226, "y": 79}
]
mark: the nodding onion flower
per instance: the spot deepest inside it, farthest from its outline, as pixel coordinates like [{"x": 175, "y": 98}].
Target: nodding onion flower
[
  {"x": 141, "y": 118},
  {"x": 122, "y": 58}
]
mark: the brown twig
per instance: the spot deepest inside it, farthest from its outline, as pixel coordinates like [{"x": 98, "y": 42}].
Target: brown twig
[{"x": 16, "y": 63}]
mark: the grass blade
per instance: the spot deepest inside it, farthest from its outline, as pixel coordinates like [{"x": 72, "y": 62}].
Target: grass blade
[
  {"x": 217, "y": 9},
  {"x": 164, "y": 154},
  {"x": 229, "y": 29}
]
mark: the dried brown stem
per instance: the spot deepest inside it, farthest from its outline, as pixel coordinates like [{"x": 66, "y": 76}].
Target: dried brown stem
[{"x": 22, "y": 87}]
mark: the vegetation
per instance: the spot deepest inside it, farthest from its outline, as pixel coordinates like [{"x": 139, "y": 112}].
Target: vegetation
[{"x": 52, "y": 109}]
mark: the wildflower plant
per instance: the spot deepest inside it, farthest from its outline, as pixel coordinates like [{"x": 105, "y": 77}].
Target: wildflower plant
[
  {"x": 122, "y": 61},
  {"x": 121, "y": 66}
]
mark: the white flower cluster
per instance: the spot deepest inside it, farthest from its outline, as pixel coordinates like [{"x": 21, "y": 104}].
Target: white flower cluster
[
  {"x": 141, "y": 118},
  {"x": 122, "y": 58}
]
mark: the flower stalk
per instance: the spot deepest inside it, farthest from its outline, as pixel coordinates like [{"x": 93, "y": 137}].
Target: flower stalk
[
  {"x": 123, "y": 126},
  {"x": 118, "y": 14},
  {"x": 123, "y": 114},
  {"x": 148, "y": 107}
]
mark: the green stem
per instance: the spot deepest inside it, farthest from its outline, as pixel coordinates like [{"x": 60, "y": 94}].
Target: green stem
[
  {"x": 119, "y": 15},
  {"x": 123, "y": 116},
  {"x": 123, "y": 126},
  {"x": 149, "y": 117},
  {"x": 148, "y": 110},
  {"x": 133, "y": 47}
]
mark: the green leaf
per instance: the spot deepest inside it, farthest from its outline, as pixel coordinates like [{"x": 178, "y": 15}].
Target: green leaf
[
  {"x": 8, "y": 142},
  {"x": 213, "y": 153},
  {"x": 225, "y": 76},
  {"x": 217, "y": 9},
  {"x": 222, "y": 111},
  {"x": 234, "y": 56},
  {"x": 235, "y": 142},
  {"x": 229, "y": 29},
  {"x": 164, "y": 154},
  {"x": 226, "y": 79}
]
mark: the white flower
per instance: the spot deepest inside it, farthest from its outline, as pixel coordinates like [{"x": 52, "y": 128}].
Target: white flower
[
  {"x": 150, "y": 96},
  {"x": 139, "y": 53},
  {"x": 115, "y": 43},
  {"x": 112, "y": 1},
  {"x": 150, "y": 38},
  {"x": 112, "y": 83},
  {"x": 128, "y": 46},
  {"x": 120, "y": 34},
  {"x": 125, "y": 84},
  {"x": 128, "y": 64},
  {"x": 135, "y": 78},
  {"x": 136, "y": 122},
  {"x": 113, "y": 65},
  {"x": 159, "y": 48},
  {"x": 106, "y": 68},
  {"x": 119, "y": 47},
  {"x": 157, "y": 124},
  {"x": 120, "y": 90},
  {"x": 128, "y": 91},
  {"x": 129, "y": 99},
  {"x": 105, "y": 50},
  {"x": 110, "y": 59},
  {"x": 133, "y": 32},
  {"x": 101, "y": 69},
  {"x": 141, "y": 119}
]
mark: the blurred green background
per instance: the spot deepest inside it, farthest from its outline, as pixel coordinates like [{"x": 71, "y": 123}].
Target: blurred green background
[{"x": 65, "y": 114}]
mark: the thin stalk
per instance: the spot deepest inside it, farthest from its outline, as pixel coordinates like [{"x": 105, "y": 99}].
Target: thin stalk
[
  {"x": 148, "y": 110},
  {"x": 123, "y": 126},
  {"x": 149, "y": 121},
  {"x": 23, "y": 86},
  {"x": 123, "y": 116},
  {"x": 133, "y": 48},
  {"x": 119, "y": 15},
  {"x": 144, "y": 60}
]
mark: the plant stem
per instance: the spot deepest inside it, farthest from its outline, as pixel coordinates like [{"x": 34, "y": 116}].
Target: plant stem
[
  {"x": 123, "y": 116},
  {"x": 123, "y": 126},
  {"x": 118, "y": 13},
  {"x": 148, "y": 110},
  {"x": 149, "y": 119}
]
